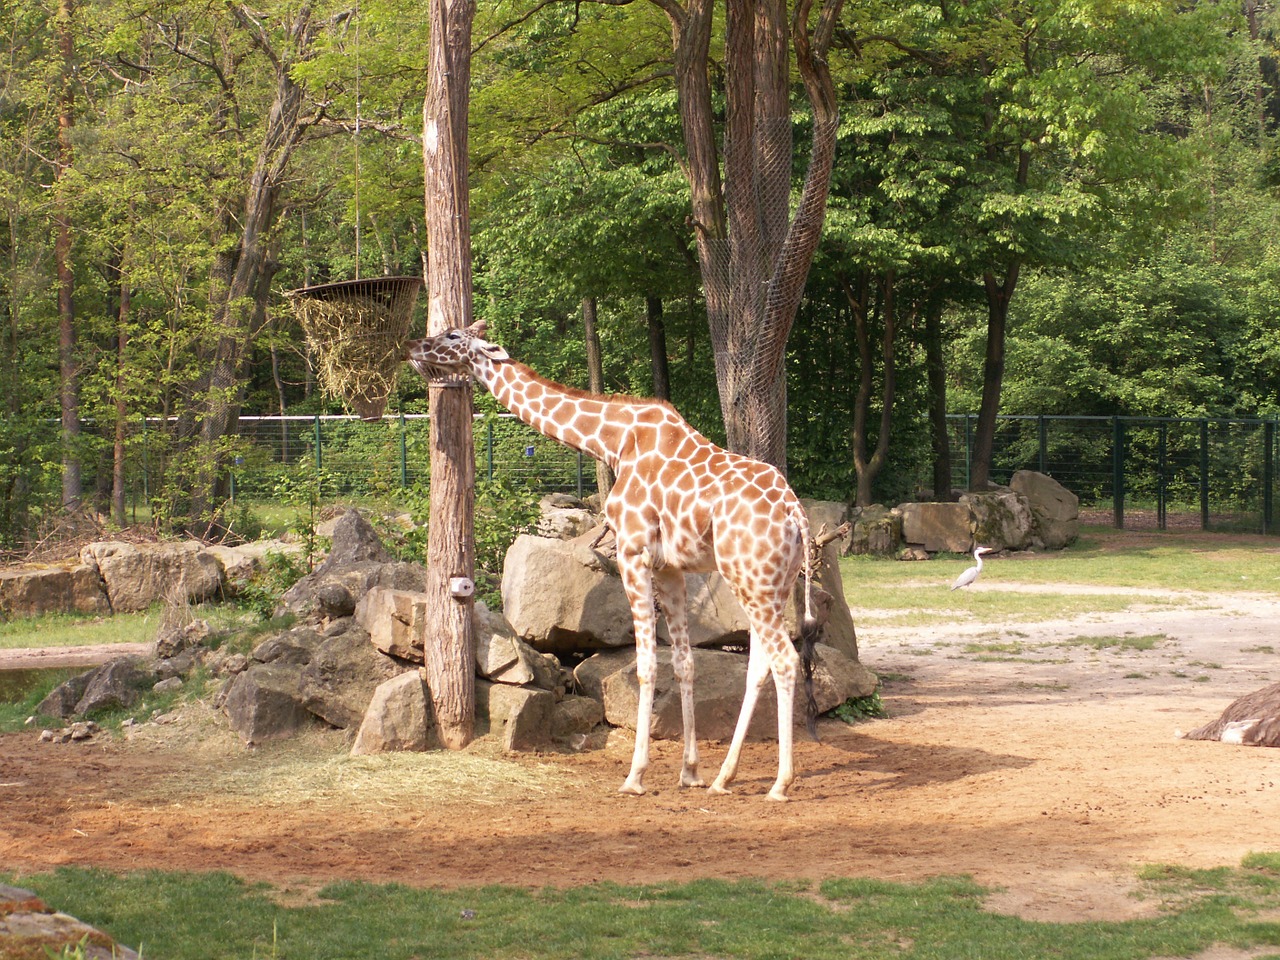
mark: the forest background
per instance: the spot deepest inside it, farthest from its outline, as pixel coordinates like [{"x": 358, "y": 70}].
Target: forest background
[{"x": 1070, "y": 202}]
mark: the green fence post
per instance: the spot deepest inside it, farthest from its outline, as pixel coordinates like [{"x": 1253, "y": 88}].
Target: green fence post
[
  {"x": 404, "y": 456},
  {"x": 1204, "y": 474},
  {"x": 968, "y": 451},
  {"x": 579, "y": 474},
  {"x": 146, "y": 465},
  {"x": 488, "y": 445},
  {"x": 1268, "y": 471},
  {"x": 1162, "y": 493},
  {"x": 1117, "y": 471},
  {"x": 319, "y": 455},
  {"x": 1044, "y": 446}
]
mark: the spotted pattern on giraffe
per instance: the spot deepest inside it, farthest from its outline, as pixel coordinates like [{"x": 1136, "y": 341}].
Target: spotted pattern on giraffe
[{"x": 679, "y": 504}]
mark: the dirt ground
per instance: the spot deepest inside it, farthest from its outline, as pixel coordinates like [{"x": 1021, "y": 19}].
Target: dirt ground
[{"x": 1038, "y": 763}]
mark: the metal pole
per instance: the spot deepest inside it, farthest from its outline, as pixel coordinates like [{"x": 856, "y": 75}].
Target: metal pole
[
  {"x": 1044, "y": 445},
  {"x": 488, "y": 444},
  {"x": 1204, "y": 474},
  {"x": 1268, "y": 471},
  {"x": 319, "y": 455},
  {"x": 1162, "y": 505},
  {"x": 968, "y": 450},
  {"x": 404, "y": 456},
  {"x": 1117, "y": 471},
  {"x": 579, "y": 474}
]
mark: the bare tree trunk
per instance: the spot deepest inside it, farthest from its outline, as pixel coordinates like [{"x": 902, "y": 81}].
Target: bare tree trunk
[
  {"x": 999, "y": 294},
  {"x": 937, "y": 373},
  {"x": 595, "y": 379},
  {"x": 450, "y": 635},
  {"x": 122, "y": 404},
  {"x": 865, "y": 468},
  {"x": 69, "y": 392},
  {"x": 237, "y": 275},
  {"x": 754, "y": 260},
  {"x": 658, "y": 348}
]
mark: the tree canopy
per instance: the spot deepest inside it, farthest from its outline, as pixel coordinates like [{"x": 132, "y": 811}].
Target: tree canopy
[{"x": 1028, "y": 206}]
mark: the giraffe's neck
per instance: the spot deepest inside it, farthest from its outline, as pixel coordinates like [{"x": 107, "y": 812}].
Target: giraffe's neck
[{"x": 586, "y": 422}]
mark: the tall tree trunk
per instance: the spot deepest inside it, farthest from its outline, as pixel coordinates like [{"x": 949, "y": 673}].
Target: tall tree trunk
[
  {"x": 753, "y": 259},
  {"x": 450, "y": 635},
  {"x": 937, "y": 373},
  {"x": 236, "y": 286},
  {"x": 867, "y": 468},
  {"x": 658, "y": 348},
  {"x": 999, "y": 293},
  {"x": 69, "y": 392},
  {"x": 595, "y": 380},
  {"x": 122, "y": 404}
]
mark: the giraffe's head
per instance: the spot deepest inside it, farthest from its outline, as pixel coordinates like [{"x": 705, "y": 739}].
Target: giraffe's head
[{"x": 453, "y": 353}]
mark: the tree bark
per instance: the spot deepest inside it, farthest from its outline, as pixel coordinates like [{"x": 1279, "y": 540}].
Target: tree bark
[
  {"x": 999, "y": 293},
  {"x": 69, "y": 391},
  {"x": 658, "y": 348},
  {"x": 754, "y": 259},
  {"x": 937, "y": 375},
  {"x": 236, "y": 286},
  {"x": 595, "y": 380},
  {"x": 450, "y": 635},
  {"x": 865, "y": 468}
]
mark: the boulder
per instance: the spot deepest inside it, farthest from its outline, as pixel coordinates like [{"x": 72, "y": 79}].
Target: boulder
[
  {"x": 338, "y": 682},
  {"x": 265, "y": 702},
  {"x": 521, "y": 716},
  {"x": 395, "y": 621},
  {"x": 138, "y": 575},
  {"x": 117, "y": 683},
  {"x": 62, "y": 699},
  {"x": 718, "y": 690},
  {"x": 313, "y": 596},
  {"x": 241, "y": 563},
  {"x": 354, "y": 541},
  {"x": 1055, "y": 508},
  {"x": 937, "y": 526},
  {"x": 562, "y": 596},
  {"x": 1000, "y": 519},
  {"x": 30, "y": 592},
  {"x": 173, "y": 639},
  {"x": 877, "y": 530},
  {"x": 296, "y": 646},
  {"x": 399, "y": 717},
  {"x": 564, "y": 518},
  {"x": 576, "y": 716}
]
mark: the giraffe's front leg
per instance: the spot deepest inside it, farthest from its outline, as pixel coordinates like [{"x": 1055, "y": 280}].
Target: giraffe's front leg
[
  {"x": 637, "y": 579},
  {"x": 671, "y": 592}
]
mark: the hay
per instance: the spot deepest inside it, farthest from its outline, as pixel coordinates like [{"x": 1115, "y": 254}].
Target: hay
[{"x": 357, "y": 332}]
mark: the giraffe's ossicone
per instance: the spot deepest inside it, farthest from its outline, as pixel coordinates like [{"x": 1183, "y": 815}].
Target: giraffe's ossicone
[{"x": 680, "y": 504}]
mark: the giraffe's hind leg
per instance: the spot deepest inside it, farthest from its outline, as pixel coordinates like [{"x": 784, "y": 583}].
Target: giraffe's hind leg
[
  {"x": 771, "y": 652},
  {"x": 670, "y": 588}
]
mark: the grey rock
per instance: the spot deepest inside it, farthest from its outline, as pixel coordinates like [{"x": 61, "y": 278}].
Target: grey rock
[
  {"x": 1055, "y": 508},
  {"x": 399, "y": 717},
  {"x": 339, "y": 682},
  {"x": 265, "y": 703},
  {"x": 117, "y": 683},
  {"x": 62, "y": 699}
]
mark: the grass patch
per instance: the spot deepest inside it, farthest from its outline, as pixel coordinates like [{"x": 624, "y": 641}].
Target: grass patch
[
  {"x": 1143, "y": 643},
  {"x": 182, "y": 916},
  {"x": 74, "y": 630}
]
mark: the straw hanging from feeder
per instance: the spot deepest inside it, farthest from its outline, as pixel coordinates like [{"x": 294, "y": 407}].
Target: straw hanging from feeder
[{"x": 357, "y": 329}]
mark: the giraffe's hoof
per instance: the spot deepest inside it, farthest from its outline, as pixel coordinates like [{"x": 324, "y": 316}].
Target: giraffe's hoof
[
  {"x": 690, "y": 778},
  {"x": 719, "y": 790},
  {"x": 633, "y": 788},
  {"x": 778, "y": 796}
]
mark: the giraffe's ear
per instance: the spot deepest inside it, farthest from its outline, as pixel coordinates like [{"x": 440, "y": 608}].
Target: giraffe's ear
[
  {"x": 491, "y": 350},
  {"x": 478, "y": 328}
]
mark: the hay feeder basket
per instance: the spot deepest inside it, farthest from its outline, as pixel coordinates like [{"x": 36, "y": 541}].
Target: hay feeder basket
[{"x": 357, "y": 330}]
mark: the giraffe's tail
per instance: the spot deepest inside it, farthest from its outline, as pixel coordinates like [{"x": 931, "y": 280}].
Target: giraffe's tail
[{"x": 810, "y": 628}]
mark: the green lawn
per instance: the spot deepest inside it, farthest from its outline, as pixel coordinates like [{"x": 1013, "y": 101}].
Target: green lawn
[{"x": 179, "y": 916}]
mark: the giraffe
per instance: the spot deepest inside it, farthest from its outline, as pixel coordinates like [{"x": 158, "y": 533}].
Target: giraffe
[{"x": 679, "y": 504}]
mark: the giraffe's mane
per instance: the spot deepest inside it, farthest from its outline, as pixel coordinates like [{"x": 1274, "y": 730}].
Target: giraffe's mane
[{"x": 574, "y": 393}]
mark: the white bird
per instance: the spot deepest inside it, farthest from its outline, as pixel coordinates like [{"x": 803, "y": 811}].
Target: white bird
[{"x": 971, "y": 574}]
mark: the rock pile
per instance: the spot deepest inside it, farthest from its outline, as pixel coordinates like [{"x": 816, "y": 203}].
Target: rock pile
[
  {"x": 351, "y": 658},
  {"x": 1033, "y": 512}
]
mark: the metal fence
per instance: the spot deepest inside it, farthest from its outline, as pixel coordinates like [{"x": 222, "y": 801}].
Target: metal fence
[
  {"x": 1142, "y": 472},
  {"x": 1133, "y": 472}
]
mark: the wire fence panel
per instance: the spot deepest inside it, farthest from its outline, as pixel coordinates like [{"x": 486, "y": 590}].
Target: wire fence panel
[
  {"x": 1133, "y": 472},
  {"x": 1145, "y": 472}
]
